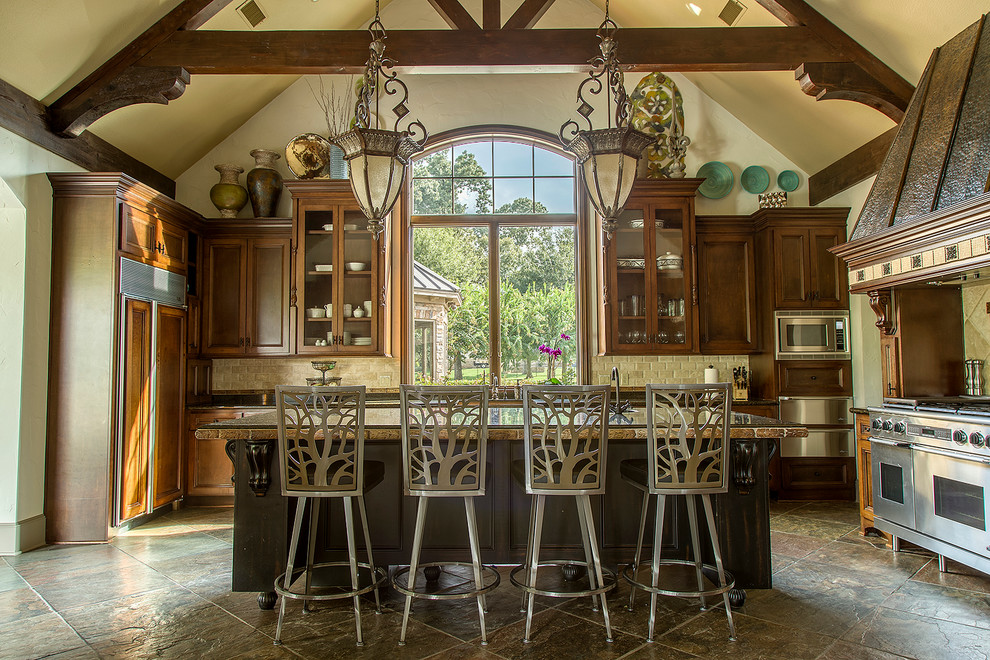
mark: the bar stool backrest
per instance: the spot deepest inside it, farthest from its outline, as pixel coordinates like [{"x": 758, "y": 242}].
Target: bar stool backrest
[
  {"x": 566, "y": 435},
  {"x": 444, "y": 439},
  {"x": 321, "y": 440},
  {"x": 688, "y": 431}
]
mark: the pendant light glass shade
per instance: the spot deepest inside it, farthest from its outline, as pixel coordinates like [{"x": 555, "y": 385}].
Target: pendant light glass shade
[
  {"x": 378, "y": 157},
  {"x": 608, "y": 157}
]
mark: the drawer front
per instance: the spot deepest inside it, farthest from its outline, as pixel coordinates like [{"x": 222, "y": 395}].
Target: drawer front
[
  {"x": 800, "y": 378},
  {"x": 810, "y": 473}
]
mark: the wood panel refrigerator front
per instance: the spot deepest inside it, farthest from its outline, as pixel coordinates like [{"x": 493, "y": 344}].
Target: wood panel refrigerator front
[{"x": 85, "y": 406}]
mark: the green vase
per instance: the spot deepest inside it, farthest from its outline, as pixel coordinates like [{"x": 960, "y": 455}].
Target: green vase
[{"x": 228, "y": 196}]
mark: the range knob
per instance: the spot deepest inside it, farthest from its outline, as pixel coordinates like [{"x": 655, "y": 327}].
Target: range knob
[
  {"x": 876, "y": 424},
  {"x": 959, "y": 437},
  {"x": 976, "y": 439},
  {"x": 887, "y": 425},
  {"x": 900, "y": 427}
]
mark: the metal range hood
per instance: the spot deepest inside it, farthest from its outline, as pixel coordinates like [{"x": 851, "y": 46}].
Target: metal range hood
[{"x": 927, "y": 217}]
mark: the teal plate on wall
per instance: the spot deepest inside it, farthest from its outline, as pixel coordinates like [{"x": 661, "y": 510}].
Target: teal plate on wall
[
  {"x": 754, "y": 179},
  {"x": 788, "y": 180},
  {"x": 718, "y": 180}
]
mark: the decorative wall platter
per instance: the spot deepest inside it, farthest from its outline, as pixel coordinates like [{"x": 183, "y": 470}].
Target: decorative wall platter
[
  {"x": 308, "y": 156},
  {"x": 788, "y": 180},
  {"x": 754, "y": 179},
  {"x": 718, "y": 180},
  {"x": 654, "y": 102}
]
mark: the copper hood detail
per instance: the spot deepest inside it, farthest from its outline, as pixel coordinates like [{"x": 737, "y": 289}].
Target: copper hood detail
[{"x": 928, "y": 214}]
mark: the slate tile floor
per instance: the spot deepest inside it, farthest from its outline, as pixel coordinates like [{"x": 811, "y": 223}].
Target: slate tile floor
[{"x": 162, "y": 590}]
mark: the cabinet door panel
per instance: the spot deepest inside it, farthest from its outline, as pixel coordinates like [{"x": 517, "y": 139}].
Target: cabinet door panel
[
  {"x": 132, "y": 472},
  {"x": 169, "y": 405},
  {"x": 224, "y": 318},
  {"x": 138, "y": 232},
  {"x": 268, "y": 290},
  {"x": 827, "y": 271},
  {"x": 727, "y": 274},
  {"x": 793, "y": 276},
  {"x": 629, "y": 293},
  {"x": 209, "y": 468},
  {"x": 173, "y": 242}
]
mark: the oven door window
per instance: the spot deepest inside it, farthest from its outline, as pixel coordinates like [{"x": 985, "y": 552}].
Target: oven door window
[
  {"x": 960, "y": 502},
  {"x": 892, "y": 483}
]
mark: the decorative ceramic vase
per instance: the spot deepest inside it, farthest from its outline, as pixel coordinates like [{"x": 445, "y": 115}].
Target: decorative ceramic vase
[
  {"x": 264, "y": 183},
  {"x": 228, "y": 196}
]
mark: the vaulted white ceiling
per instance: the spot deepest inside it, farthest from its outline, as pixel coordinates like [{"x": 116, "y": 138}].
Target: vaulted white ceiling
[{"x": 47, "y": 47}]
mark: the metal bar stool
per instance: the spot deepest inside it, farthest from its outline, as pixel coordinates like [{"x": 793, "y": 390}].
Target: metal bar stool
[
  {"x": 566, "y": 434},
  {"x": 688, "y": 438},
  {"x": 445, "y": 447},
  {"x": 321, "y": 454}
]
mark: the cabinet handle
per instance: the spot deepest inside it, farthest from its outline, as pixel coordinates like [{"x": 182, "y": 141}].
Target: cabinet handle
[
  {"x": 694, "y": 274},
  {"x": 248, "y": 341},
  {"x": 242, "y": 341}
]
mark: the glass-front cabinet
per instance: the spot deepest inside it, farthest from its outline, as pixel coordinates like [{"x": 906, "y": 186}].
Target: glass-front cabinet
[
  {"x": 650, "y": 294},
  {"x": 339, "y": 287}
]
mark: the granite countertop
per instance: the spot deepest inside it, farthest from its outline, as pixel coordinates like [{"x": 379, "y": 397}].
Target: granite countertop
[
  {"x": 859, "y": 411},
  {"x": 382, "y": 423}
]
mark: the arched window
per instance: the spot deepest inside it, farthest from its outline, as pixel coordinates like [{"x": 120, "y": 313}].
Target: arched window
[{"x": 494, "y": 220}]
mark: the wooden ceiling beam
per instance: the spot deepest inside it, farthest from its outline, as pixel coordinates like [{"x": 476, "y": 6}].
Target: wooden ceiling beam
[
  {"x": 799, "y": 13},
  {"x": 455, "y": 15},
  {"x": 528, "y": 14},
  {"x": 491, "y": 15},
  {"x": 25, "y": 116},
  {"x": 79, "y": 100},
  {"x": 641, "y": 49},
  {"x": 849, "y": 170}
]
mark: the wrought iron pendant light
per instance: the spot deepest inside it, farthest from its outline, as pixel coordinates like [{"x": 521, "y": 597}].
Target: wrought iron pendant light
[
  {"x": 377, "y": 156},
  {"x": 608, "y": 156}
]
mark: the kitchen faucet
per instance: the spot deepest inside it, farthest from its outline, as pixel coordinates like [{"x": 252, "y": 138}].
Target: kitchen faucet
[
  {"x": 493, "y": 387},
  {"x": 618, "y": 406}
]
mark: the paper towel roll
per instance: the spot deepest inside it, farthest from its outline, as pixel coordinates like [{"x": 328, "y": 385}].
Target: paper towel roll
[{"x": 711, "y": 374}]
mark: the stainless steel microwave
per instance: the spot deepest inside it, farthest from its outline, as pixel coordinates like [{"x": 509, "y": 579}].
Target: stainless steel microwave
[{"x": 811, "y": 334}]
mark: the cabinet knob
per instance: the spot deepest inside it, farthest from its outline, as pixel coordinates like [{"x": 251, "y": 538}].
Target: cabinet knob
[{"x": 814, "y": 378}]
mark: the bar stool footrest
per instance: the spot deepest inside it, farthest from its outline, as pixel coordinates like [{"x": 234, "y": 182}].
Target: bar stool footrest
[
  {"x": 629, "y": 575},
  {"x": 490, "y": 578},
  {"x": 378, "y": 578},
  {"x": 608, "y": 578}
]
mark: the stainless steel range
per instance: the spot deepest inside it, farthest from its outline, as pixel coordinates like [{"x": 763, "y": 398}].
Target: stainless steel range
[{"x": 930, "y": 466}]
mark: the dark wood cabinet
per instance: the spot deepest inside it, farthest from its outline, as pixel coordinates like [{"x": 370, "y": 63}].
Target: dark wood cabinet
[
  {"x": 246, "y": 303},
  {"x": 918, "y": 319},
  {"x": 340, "y": 282},
  {"x": 650, "y": 292},
  {"x": 145, "y": 235},
  {"x": 209, "y": 470},
  {"x": 814, "y": 378},
  {"x": 803, "y": 274},
  {"x": 727, "y": 313},
  {"x": 818, "y": 478}
]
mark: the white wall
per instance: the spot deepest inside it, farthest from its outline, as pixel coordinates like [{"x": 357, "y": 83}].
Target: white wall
[{"x": 25, "y": 276}]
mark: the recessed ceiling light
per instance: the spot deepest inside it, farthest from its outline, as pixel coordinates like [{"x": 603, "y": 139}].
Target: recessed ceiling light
[{"x": 694, "y": 8}]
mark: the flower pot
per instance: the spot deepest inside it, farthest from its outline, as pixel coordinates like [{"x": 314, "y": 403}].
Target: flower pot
[
  {"x": 228, "y": 196},
  {"x": 264, "y": 183}
]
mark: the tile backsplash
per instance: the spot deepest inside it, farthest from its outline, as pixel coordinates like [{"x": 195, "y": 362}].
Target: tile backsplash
[
  {"x": 638, "y": 370},
  {"x": 265, "y": 373},
  {"x": 634, "y": 370},
  {"x": 976, "y": 322}
]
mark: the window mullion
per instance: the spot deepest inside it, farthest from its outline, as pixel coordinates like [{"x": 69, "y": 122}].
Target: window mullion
[{"x": 494, "y": 316}]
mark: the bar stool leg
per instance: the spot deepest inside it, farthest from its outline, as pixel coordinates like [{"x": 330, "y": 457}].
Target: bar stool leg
[
  {"x": 534, "y": 559},
  {"x": 639, "y": 545},
  {"x": 414, "y": 563},
  {"x": 529, "y": 547},
  {"x": 314, "y": 516},
  {"x": 352, "y": 557},
  {"x": 588, "y": 557},
  {"x": 655, "y": 568},
  {"x": 367, "y": 544},
  {"x": 706, "y": 500},
  {"x": 287, "y": 576},
  {"x": 472, "y": 525},
  {"x": 692, "y": 511},
  {"x": 593, "y": 538}
]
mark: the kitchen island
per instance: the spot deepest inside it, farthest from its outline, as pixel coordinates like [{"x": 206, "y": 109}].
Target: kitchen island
[{"x": 262, "y": 516}]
